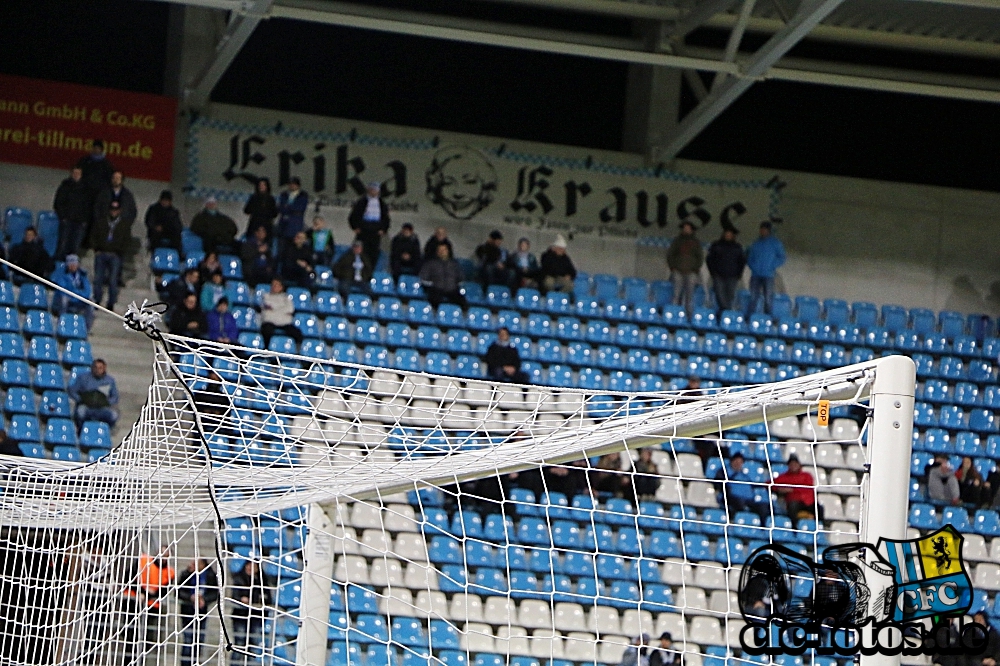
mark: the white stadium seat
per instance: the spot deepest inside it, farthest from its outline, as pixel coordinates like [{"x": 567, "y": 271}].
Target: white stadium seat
[
  {"x": 829, "y": 455},
  {"x": 854, "y": 458},
  {"x": 399, "y": 518},
  {"x": 580, "y": 646},
  {"x": 635, "y": 622},
  {"x": 384, "y": 382},
  {"x": 706, "y": 631},
  {"x": 833, "y": 509},
  {"x": 398, "y": 602},
  {"x": 510, "y": 397},
  {"x": 702, "y": 494},
  {"x": 547, "y": 644},
  {"x": 987, "y": 577},
  {"x": 689, "y": 466},
  {"x": 345, "y": 541},
  {"x": 612, "y": 648},
  {"x": 420, "y": 577},
  {"x": 670, "y": 491},
  {"x": 994, "y": 549},
  {"x": 365, "y": 516},
  {"x": 603, "y": 620},
  {"x": 844, "y": 482},
  {"x": 673, "y": 623},
  {"x": 710, "y": 576},
  {"x": 459, "y": 416},
  {"x": 512, "y": 640},
  {"x": 845, "y": 430},
  {"x": 477, "y": 637},
  {"x": 724, "y": 602},
  {"x": 351, "y": 569},
  {"x": 733, "y": 628},
  {"x": 386, "y": 572},
  {"x": 375, "y": 543},
  {"x": 676, "y": 572},
  {"x": 785, "y": 428},
  {"x": 811, "y": 430},
  {"x": 535, "y": 614},
  {"x": 466, "y": 608},
  {"x": 431, "y": 604},
  {"x": 803, "y": 450},
  {"x": 692, "y": 599},
  {"x": 569, "y": 617},
  {"x": 852, "y": 509},
  {"x": 411, "y": 547},
  {"x": 974, "y": 548},
  {"x": 421, "y": 414},
  {"x": 500, "y": 610}
]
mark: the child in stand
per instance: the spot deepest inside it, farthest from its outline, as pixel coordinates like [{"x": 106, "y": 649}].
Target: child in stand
[
  {"x": 321, "y": 240},
  {"x": 211, "y": 292}
]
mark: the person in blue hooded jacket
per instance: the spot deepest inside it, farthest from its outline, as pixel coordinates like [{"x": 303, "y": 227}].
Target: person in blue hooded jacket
[
  {"x": 764, "y": 257},
  {"x": 72, "y": 277}
]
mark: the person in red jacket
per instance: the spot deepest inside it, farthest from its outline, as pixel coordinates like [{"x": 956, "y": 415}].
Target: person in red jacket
[{"x": 796, "y": 487}]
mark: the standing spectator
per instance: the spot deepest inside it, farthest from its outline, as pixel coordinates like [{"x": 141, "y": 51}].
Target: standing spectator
[
  {"x": 116, "y": 193},
  {"x": 493, "y": 261},
  {"x": 30, "y": 255},
  {"x": 795, "y": 486},
  {"x": 216, "y": 230},
  {"x": 73, "y": 207},
  {"x": 251, "y": 597},
  {"x": 72, "y": 277},
  {"x": 292, "y": 206},
  {"x": 501, "y": 353},
  {"x": 96, "y": 171},
  {"x": 684, "y": 258},
  {"x": 211, "y": 291},
  {"x": 725, "y": 263},
  {"x": 258, "y": 265},
  {"x": 179, "y": 288},
  {"x": 404, "y": 254},
  {"x": 440, "y": 237},
  {"x": 369, "y": 218},
  {"x": 197, "y": 592},
  {"x": 321, "y": 242},
  {"x": 353, "y": 271},
  {"x": 764, "y": 257},
  {"x": 110, "y": 239},
  {"x": 646, "y": 480},
  {"x": 262, "y": 209},
  {"x": 188, "y": 319},
  {"x": 278, "y": 313},
  {"x": 942, "y": 485},
  {"x": 221, "y": 323},
  {"x": 665, "y": 655},
  {"x": 296, "y": 261},
  {"x": 9, "y": 447},
  {"x": 524, "y": 266},
  {"x": 95, "y": 394},
  {"x": 558, "y": 271},
  {"x": 737, "y": 492},
  {"x": 441, "y": 278},
  {"x": 163, "y": 223}
]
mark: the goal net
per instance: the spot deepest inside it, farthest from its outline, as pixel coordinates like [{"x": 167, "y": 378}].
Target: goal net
[{"x": 280, "y": 509}]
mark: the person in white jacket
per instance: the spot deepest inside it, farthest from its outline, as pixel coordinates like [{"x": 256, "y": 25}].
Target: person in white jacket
[{"x": 277, "y": 314}]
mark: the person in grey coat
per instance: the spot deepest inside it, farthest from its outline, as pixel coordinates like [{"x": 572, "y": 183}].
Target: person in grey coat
[
  {"x": 441, "y": 278},
  {"x": 942, "y": 485}
]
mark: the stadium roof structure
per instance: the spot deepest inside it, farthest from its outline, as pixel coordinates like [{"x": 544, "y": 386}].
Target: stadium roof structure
[{"x": 913, "y": 31}]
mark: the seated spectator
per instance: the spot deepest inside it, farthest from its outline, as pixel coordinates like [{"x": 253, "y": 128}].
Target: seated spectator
[
  {"x": 404, "y": 254},
  {"x": 210, "y": 264},
  {"x": 296, "y": 261},
  {"x": 442, "y": 277},
  {"x": 605, "y": 477},
  {"x": 216, "y": 230},
  {"x": 942, "y": 486},
  {"x": 440, "y": 237},
  {"x": 796, "y": 487},
  {"x": 524, "y": 266},
  {"x": 666, "y": 654},
  {"x": 188, "y": 319},
  {"x": 557, "y": 270},
  {"x": 163, "y": 223},
  {"x": 179, "y": 288},
  {"x": 973, "y": 489},
  {"x": 277, "y": 314},
  {"x": 213, "y": 404},
  {"x": 72, "y": 277},
  {"x": 501, "y": 353},
  {"x": 30, "y": 255},
  {"x": 211, "y": 292},
  {"x": 636, "y": 654},
  {"x": 737, "y": 492},
  {"x": 492, "y": 258},
  {"x": 8, "y": 447},
  {"x": 646, "y": 479},
  {"x": 321, "y": 242},
  {"x": 512, "y": 374},
  {"x": 95, "y": 394},
  {"x": 354, "y": 271},
  {"x": 221, "y": 323},
  {"x": 258, "y": 265}
]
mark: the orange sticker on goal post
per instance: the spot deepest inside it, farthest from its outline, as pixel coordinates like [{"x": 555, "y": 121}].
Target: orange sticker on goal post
[{"x": 823, "y": 413}]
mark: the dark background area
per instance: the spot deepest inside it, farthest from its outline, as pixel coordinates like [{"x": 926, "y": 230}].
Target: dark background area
[{"x": 458, "y": 87}]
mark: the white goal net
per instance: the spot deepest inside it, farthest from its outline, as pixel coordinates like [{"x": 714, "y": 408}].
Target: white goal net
[{"x": 275, "y": 509}]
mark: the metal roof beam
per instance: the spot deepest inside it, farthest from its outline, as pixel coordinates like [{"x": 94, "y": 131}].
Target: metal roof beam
[{"x": 697, "y": 17}]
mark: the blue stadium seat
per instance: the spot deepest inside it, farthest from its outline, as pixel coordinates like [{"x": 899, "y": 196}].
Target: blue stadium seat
[
  {"x": 923, "y": 321},
  {"x": 804, "y": 353},
  {"x": 375, "y": 355},
  {"x": 964, "y": 345},
  {"x": 951, "y": 367},
  {"x": 864, "y": 314},
  {"x": 549, "y": 351},
  {"x": 685, "y": 340},
  {"x": 308, "y": 324},
  {"x": 512, "y": 321},
  {"x": 449, "y": 315},
  {"x": 16, "y": 221},
  {"x": 367, "y": 331},
  {"x": 781, "y": 307},
  {"x": 165, "y": 260},
  {"x": 19, "y": 400},
  {"x": 71, "y": 326},
  {"x": 345, "y": 352},
  {"x": 732, "y": 321},
  {"x": 409, "y": 287},
  {"x": 952, "y": 324},
  {"x": 43, "y": 348},
  {"x": 473, "y": 292},
  {"x": 438, "y": 363},
  {"x": 95, "y": 434},
  {"x": 790, "y": 328},
  {"x": 15, "y": 373},
  {"x": 251, "y": 340},
  {"x": 617, "y": 310},
  {"x": 605, "y": 287},
  {"x": 746, "y": 347},
  {"x": 833, "y": 356},
  {"x": 389, "y": 308},
  {"x": 987, "y": 523},
  {"x": 539, "y": 326},
  {"x": 991, "y": 397},
  {"x": 406, "y": 359},
  {"x": 849, "y": 335},
  {"x": 7, "y": 296},
  {"x": 636, "y": 290},
  {"x": 239, "y": 293},
  {"x": 588, "y": 378},
  {"x": 429, "y": 337},
  {"x": 703, "y": 319},
  {"x": 774, "y": 350},
  {"x": 981, "y": 371},
  {"x": 982, "y": 420},
  {"x": 472, "y": 368},
  {"x": 282, "y": 344},
  {"x": 66, "y": 452},
  {"x": 528, "y": 299},
  {"x": 328, "y": 303},
  {"x": 359, "y": 305},
  {"x": 757, "y": 372},
  {"x": 610, "y": 357},
  {"x": 569, "y": 328},
  {"x": 619, "y": 380},
  {"x": 727, "y": 370},
  {"x": 337, "y": 328},
  {"x": 479, "y": 319},
  {"x": 48, "y": 230},
  {"x": 483, "y": 342},
  {"x": 657, "y": 338},
  {"x": 232, "y": 267},
  {"x": 588, "y": 308},
  {"x": 458, "y": 341},
  {"x": 662, "y": 292},
  {"x": 10, "y": 321},
  {"x": 55, "y": 403},
  {"x": 399, "y": 335},
  {"x": 894, "y": 317},
  {"x": 647, "y": 313},
  {"x": 836, "y": 311},
  {"x": 715, "y": 344},
  {"x": 24, "y": 429},
  {"x": 382, "y": 284},
  {"x": 669, "y": 364},
  {"x": 598, "y": 331},
  {"x": 38, "y": 322},
  {"x": 560, "y": 376},
  {"x": 639, "y": 360},
  {"x": 60, "y": 432}
]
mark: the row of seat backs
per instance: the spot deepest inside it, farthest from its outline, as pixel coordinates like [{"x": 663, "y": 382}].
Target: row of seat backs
[{"x": 17, "y": 220}]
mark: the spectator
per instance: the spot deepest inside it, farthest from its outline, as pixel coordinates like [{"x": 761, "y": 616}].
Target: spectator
[
  {"x": 216, "y": 230},
  {"x": 221, "y": 323},
  {"x": 796, "y": 487},
  {"x": 404, "y": 254},
  {"x": 73, "y": 207},
  {"x": 369, "y": 218},
  {"x": 209, "y": 265},
  {"x": 110, "y": 239},
  {"x": 990, "y": 656},
  {"x": 30, "y": 255},
  {"x": 197, "y": 592},
  {"x": 557, "y": 270},
  {"x": 737, "y": 491},
  {"x": 606, "y": 476},
  {"x": 353, "y": 271},
  {"x": 258, "y": 265},
  {"x": 501, "y": 353},
  {"x": 163, "y": 223},
  {"x": 9, "y": 447},
  {"x": 292, "y": 206},
  {"x": 637, "y": 654},
  {"x": 296, "y": 261},
  {"x": 973, "y": 489},
  {"x": 442, "y": 277},
  {"x": 942, "y": 485},
  {"x": 72, "y": 277},
  {"x": 117, "y": 192},
  {"x": 96, "y": 170},
  {"x": 764, "y": 257},
  {"x": 440, "y": 237},
  {"x": 513, "y": 374},
  {"x": 95, "y": 394},
  {"x": 646, "y": 480},
  {"x": 725, "y": 264},
  {"x": 178, "y": 289},
  {"x": 188, "y": 319},
  {"x": 665, "y": 655},
  {"x": 684, "y": 258},
  {"x": 492, "y": 259},
  {"x": 251, "y": 597},
  {"x": 262, "y": 210},
  {"x": 211, "y": 291},
  {"x": 524, "y": 266},
  {"x": 321, "y": 242},
  {"x": 278, "y": 314}
]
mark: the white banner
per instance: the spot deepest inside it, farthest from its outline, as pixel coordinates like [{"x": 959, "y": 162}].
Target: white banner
[{"x": 468, "y": 179}]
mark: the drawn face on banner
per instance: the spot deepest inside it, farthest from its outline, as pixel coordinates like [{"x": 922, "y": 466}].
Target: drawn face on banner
[{"x": 461, "y": 181}]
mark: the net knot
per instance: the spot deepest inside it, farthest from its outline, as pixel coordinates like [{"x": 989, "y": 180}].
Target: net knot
[{"x": 144, "y": 318}]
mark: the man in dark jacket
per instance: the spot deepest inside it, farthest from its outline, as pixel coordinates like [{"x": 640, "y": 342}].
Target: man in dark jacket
[
  {"x": 726, "y": 262},
  {"x": 492, "y": 259},
  {"x": 501, "y": 353},
  {"x": 197, "y": 592},
  {"x": 188, "y": 319},
  {"x": 292, "y": 206},
  {"x": 684, "y": 258},
  {"x": 441, "y": 277},
  {"x": 163, "y": 223},
  {"x": 117, "y": 192},
  {"x": 258, "y": 265},
  {"x": 179, "y": 288},
  {"x": 296, "y": 261},
  {"x": 353, "y": 271},
  {"x": 440, "y": 237},
  {"x": 73, "y": 207},
  {"x": 30, "y": 255},
  {"x": 109, "y": 238},
  {"x": 557, "y": 271},
  {"x": 96, "y": 169},
  {"x": 216, "y": 230},
  {"x": 369, "y": 219},
  {"x": 251, "y": 597},
  {"x": 404, "y": 256}
]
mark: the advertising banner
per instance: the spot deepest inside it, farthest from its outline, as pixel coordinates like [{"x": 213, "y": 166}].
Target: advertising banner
[{"x": 50, "y": 124}]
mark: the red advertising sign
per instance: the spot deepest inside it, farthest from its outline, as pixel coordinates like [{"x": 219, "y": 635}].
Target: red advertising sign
[{"x": 51, "y": 124}]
